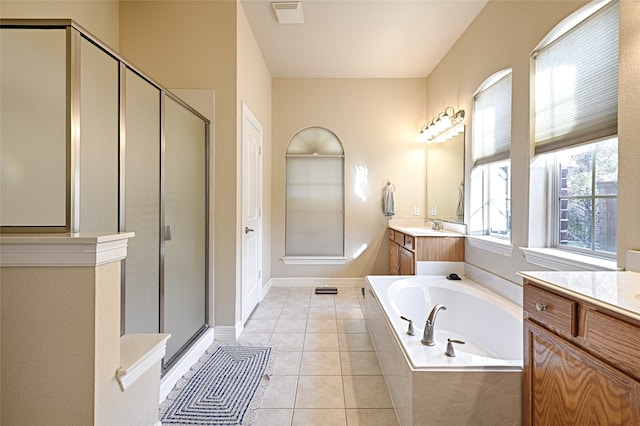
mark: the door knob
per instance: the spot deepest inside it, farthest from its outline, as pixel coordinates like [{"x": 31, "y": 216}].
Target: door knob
[{"x": 247, "y": 230}]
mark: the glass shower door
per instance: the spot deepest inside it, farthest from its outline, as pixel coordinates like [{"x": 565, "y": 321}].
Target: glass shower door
[
  {"x": 185, "y": 227},
  {"x": 142, "y": 205}
]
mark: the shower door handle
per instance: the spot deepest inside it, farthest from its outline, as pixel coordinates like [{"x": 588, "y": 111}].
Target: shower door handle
[{"x": 168, "y": 232}]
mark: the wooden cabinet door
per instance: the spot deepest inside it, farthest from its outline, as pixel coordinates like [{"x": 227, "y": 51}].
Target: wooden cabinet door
[
  {"x": 406, "y": 259},
  {"x": 394, "y": 262},
  {"x": 565, "y": 386}
]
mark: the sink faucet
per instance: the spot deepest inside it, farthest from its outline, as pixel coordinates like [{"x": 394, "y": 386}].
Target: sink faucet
[
  {"x": 427, "y": 336},
  {"x": 436, "y": 225}
]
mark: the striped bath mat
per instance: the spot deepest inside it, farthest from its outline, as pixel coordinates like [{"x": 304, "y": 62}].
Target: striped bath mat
[{"x": 223, "y": 388}]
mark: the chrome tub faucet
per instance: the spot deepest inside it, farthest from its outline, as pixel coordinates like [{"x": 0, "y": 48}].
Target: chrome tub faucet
[{"x": 429, "y": 327}]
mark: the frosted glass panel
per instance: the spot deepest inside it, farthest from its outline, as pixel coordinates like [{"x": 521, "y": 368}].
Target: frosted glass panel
[
  {"x": 99, "y": 99},
  {"x": 33, "y": 135},
  {"x": 142, "y": 204},
  {"x": 185, "y": 206}
]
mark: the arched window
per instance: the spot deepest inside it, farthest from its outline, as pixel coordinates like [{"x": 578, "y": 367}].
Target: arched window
[
  {"x": 314, "y": 195},
  {"x": 491, "y": 173},
  {"x": 575, "y": 170}
]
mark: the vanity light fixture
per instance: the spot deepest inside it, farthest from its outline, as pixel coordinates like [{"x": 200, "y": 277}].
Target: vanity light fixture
[{"x": 442, "y": 127}]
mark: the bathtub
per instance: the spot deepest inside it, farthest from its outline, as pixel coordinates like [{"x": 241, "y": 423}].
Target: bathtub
[{"x": 481, "y": 385}]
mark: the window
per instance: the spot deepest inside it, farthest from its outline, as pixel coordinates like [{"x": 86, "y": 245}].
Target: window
[
  {"x": 314, "y": 195},
  {"x": 575, "y": 135},
  {"x": 586, "y": 181},
  {"x": 491, "y": 173}
]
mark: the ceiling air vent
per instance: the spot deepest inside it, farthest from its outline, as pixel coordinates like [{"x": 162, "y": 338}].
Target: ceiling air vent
[{"x": 289, "y": 12}]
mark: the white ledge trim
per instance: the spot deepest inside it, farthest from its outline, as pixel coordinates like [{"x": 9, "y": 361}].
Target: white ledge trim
[
  {"x": 314, "y": 260},
  {"x": 138, "y": 353},
  {"x": 560, "y": 260},
  {"x": 491, "y": 244},
  {"x": 62, "y": 249}
]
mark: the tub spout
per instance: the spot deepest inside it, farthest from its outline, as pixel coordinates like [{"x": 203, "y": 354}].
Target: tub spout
[{"x": 427, "y": 336}]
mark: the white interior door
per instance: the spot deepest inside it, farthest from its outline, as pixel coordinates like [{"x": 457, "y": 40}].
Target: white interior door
[{"x": 251, "y": 212}]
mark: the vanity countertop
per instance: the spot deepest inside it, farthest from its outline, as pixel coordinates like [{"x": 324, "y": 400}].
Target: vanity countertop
[
  {"x": 618, "y": 291},
  {"x": 425, "y": 231}
]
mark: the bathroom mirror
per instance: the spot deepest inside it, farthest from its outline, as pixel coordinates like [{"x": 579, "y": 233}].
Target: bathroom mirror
[{"x": 445, "y": 179}]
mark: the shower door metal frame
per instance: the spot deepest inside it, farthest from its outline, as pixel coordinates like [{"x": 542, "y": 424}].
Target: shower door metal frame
[{"x": 74, "y": 34}]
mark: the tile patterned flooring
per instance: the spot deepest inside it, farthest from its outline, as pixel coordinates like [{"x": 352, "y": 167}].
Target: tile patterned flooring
[{"x": 326, "y": 372}]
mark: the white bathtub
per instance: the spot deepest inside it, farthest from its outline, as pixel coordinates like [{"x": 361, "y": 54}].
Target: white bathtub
[{"x": 481, "y": 384}]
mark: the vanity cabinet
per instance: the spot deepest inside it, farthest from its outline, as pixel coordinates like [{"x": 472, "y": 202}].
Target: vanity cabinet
[
  {"x": 580, "y": 361},
  {"x": 406, "y": 250}
]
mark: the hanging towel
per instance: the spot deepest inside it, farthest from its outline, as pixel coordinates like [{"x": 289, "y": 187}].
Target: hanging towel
[{"x": 388, "y": 203}]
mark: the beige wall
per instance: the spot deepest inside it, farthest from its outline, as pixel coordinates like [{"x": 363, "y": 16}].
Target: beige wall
[
  {"x": 209, "y": 45},
  {"x": 503, "y": 36},
  {"x": 191, "y": 45},
  {"x": 30, "y": 321},
  {"x": 377, "y": 121},
  {"x": 99, "y": 17},
  {"x": 61, "y": 347},
  {"x": 254, "y": 89},
  {"x": 629, "y": 130}
]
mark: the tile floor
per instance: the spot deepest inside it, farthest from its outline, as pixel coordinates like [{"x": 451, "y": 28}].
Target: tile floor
[{"x": 326, "y": 372}]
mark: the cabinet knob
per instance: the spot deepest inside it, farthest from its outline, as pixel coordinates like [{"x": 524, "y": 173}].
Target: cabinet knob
[{"x": 541, "y": 307}]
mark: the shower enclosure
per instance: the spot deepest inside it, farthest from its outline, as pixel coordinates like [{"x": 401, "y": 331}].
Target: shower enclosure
[{"x": 92, "y": 144}]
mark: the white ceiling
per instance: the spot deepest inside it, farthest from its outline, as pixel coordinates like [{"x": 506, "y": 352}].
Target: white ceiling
[{"x": 360, "y": 38}]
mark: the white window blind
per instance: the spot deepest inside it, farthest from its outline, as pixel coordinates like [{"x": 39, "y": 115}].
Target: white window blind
[
  {"x": 492, "y": 120},
  {"x": 315, "y": 194},
  {"x": 576, "y": 83}
]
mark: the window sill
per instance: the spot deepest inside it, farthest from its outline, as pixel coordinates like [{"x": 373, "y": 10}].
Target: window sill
[
  {"x": 492, "y": 245},
  {"x": 560, "y": 260},
  {"x": 314, "y": 260}
]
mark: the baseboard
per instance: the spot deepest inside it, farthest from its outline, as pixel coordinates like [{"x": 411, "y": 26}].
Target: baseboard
[
  {"x": 265, "y": 289},
  {"x": 228, "y": 333},
  {"x": 316, "y": 282},
  {"x": 185, "y": 363}
]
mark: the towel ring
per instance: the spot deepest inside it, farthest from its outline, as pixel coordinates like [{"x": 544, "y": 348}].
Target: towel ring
[{"x": 391, "y": 187}]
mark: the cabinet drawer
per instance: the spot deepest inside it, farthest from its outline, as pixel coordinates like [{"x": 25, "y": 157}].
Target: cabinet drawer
[
  {"x": 409, "y": 242},
  {"x": 555, "y": 312},
  {"x": 614, "y": 340},
  {"x": 398, "y": 237}
]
